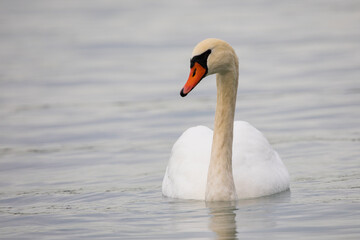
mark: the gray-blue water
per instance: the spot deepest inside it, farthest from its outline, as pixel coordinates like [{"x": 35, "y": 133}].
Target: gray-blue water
[{"x": 90, "y": 108}]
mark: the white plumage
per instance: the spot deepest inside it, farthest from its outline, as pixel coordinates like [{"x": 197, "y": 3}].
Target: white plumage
[{"x": 257, "y": 168}]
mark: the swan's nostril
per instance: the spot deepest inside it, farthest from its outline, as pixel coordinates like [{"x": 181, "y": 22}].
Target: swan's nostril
[{"x": 194, "y": 72}]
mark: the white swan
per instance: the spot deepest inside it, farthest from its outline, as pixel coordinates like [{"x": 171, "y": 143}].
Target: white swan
[{"x": 233, "y": 162}]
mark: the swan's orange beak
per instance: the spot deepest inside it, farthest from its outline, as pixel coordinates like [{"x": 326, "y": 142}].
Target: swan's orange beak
[{"x": 197, "y": 72}]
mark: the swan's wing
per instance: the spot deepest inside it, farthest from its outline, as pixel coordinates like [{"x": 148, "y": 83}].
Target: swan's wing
[
  {"x": 186, "y": 173},
  {"x": 257, "y": 167}
]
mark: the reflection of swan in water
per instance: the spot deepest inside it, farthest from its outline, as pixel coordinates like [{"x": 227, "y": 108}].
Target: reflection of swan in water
[
  {"x": 222, "y": 219},
  {"x": 228, "y": 220},
  {"x": 233, "y": 162}
]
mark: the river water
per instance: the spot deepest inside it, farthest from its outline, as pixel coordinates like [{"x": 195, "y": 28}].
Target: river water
[{"x": 90, "y": 108}]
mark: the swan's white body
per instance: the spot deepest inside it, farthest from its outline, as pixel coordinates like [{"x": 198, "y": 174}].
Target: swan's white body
[
  {"x": 233, "y": 162},
  {"x": 257, "y": 168}
]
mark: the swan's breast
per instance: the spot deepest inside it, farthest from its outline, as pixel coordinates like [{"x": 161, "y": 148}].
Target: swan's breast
[{"x": 187, "y": 169}]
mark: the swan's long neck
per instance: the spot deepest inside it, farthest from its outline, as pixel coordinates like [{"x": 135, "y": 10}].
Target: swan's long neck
[{"x": 220, "y": 182}]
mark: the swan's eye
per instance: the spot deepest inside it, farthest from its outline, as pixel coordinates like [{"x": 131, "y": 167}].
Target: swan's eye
[
  {"x": 194, "y": 72},
  {"x": 201, "y": 59}
]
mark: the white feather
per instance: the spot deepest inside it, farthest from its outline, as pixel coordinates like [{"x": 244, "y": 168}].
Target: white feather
[{"x": 257, "y": 168}]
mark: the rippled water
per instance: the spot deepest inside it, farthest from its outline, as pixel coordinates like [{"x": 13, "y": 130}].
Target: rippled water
[{"x": 90, "y": 108}]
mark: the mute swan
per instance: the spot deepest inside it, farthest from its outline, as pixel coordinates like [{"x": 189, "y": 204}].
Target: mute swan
[{"x": 233, "y": 162}]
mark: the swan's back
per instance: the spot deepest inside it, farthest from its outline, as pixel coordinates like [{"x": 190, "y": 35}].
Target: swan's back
[
  {"x": 257, "y": 168},
  {"x": 186, "y": 173}
]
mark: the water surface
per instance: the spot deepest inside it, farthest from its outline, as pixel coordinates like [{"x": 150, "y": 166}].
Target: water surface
[{"x": 90, "y": 108}]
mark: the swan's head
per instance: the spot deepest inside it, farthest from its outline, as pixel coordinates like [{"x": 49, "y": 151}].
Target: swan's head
[{"x": 208, "y": 57}]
